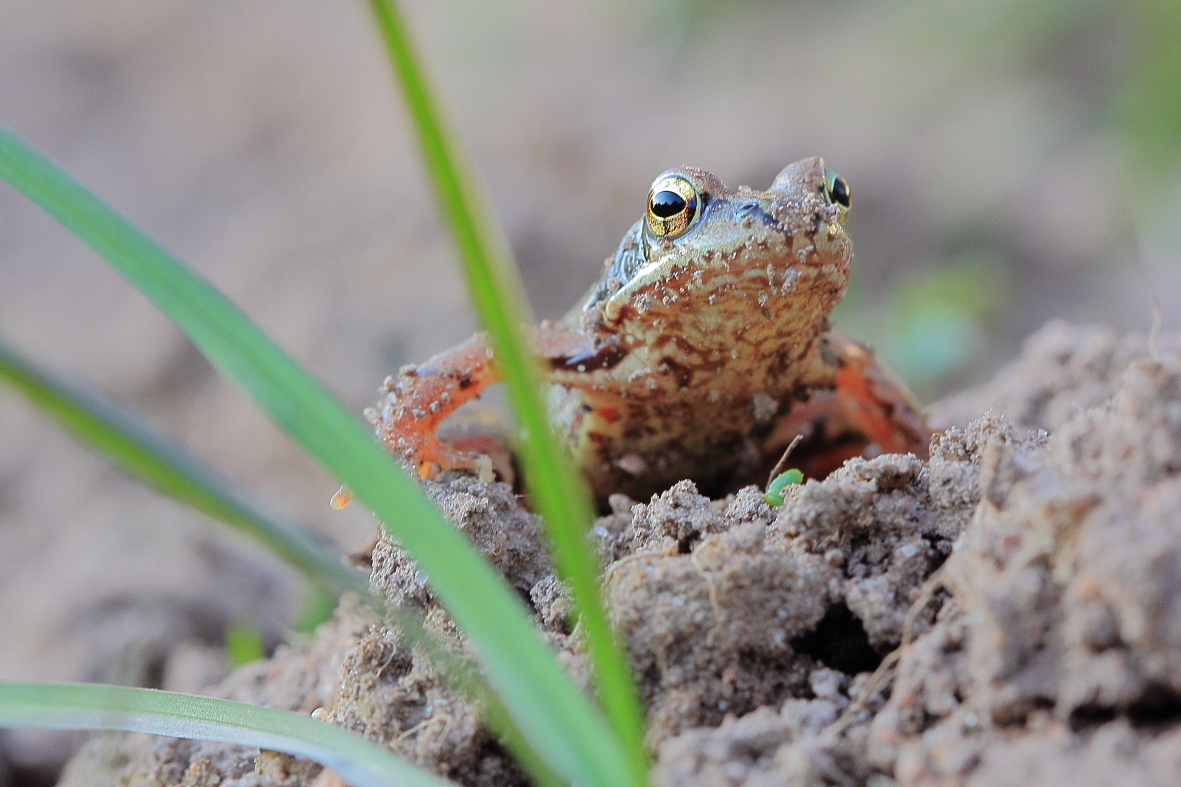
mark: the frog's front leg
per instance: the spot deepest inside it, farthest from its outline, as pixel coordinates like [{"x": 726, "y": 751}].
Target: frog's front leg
[
  {"x": 855, "y": 408},
  {"x": 419, "y": 398}
]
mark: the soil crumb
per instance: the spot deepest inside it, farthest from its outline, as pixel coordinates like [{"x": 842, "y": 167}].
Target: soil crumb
[{"x": 1006, "y": 613}]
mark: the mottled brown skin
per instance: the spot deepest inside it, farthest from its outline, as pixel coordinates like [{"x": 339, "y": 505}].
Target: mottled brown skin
[{"x": 699, "y": 354}]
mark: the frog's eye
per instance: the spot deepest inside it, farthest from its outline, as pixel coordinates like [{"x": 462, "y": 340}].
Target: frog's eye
[
  {"x": 836, "y": 191},
  {"x": 672, "y": 204}
]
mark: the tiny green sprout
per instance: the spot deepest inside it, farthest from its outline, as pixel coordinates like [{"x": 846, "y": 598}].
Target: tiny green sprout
[
  {"x": 774, "y": 496},
  {"x": 243, "y": 643}
]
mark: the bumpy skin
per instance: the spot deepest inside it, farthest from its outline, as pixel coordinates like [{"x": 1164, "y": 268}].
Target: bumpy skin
[{"x": 699, "y": 354}]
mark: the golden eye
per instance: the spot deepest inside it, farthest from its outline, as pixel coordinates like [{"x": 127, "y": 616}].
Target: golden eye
[
  {"x": 672, "y": 204},
  {"x": 836, "y": 191}
]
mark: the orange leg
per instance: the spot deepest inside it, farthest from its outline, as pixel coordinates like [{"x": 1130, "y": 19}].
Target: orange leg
[
  {"x": 419, "y": 398},
  {"x": 855, "y": 409},
  {"x": 880, "y": 407}
]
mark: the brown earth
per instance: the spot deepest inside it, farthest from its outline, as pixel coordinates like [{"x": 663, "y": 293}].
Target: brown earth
[{"x": 1008, "y": 612}]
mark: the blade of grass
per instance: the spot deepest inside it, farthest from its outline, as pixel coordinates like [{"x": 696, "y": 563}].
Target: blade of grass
[
  {"x": 562, "y": 727},
  {"x": 558, "y": 490},
  {"x": 94, "y": 707},
  {"x": 151, "y": 457},
  {"x": 144, "y": 453}
]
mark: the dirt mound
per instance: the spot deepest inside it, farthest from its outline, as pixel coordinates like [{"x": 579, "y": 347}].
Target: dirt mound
[{"x": 1008, "y": 612}]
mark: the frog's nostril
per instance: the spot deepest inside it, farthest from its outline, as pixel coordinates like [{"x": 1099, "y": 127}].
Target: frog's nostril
[{"x": 750, "y": 212}]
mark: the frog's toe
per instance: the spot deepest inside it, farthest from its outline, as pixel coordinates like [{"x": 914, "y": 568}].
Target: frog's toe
[
  {"x": 440, "y": 456},
  {"x": 483, "y": 468}
]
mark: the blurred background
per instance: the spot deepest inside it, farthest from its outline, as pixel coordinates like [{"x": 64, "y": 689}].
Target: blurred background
[{"x": 1009, "y": 162}]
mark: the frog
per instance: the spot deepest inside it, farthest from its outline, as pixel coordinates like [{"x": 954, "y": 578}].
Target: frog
[{"x": 704, "y": 350}]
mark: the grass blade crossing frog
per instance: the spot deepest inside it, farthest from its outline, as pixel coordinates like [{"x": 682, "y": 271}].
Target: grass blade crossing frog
[{"x": 703, "y": 350}]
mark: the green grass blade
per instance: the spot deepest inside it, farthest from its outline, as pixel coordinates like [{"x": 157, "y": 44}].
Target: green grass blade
[
  {"x": 151, "y": 457},
  {"x": 94, "y": 707},
  {"x": 560, "y": 724},
  {"x": 146, "y": 454},
  {"x": 558, "y": 490}
]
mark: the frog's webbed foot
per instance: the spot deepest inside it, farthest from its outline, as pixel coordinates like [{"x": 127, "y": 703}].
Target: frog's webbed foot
[
  {"x": 419, "y": 398},
  {"x": 856, "y": 408}
]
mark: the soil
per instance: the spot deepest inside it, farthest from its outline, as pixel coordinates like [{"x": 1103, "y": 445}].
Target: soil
[{"x": 1008, "y": 612}]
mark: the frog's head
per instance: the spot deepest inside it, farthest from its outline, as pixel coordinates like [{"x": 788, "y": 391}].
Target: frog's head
[{"x": 716, "y": 266}]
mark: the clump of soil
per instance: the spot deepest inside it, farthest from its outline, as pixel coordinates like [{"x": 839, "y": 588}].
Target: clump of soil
[{"x": 1008, "y": 612}]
